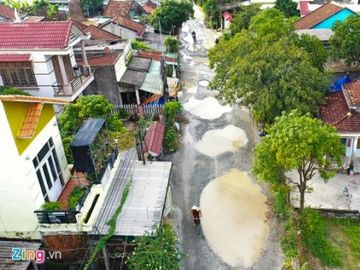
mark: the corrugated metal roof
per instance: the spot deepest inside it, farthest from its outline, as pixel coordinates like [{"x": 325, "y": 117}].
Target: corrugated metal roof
[
  {"x": 5, "y": 254},
  {"x": 87, "y": 132},
  {"x": 146, "y": 199}
]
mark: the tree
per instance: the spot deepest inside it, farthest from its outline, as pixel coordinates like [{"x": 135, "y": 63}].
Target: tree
[
  {"x": 243, "y": 17},
  {"x": 288, "y": 7},
  {"x": 92, "y": 7},
  {"x": 156, "y": 250},
  {"x": 345, "y": 42},
  {"x": 140, "y": 45},
  {"x": 299, "y": 143},
  {"x": 269, "y": 79},
  {"x": 172, "y": 44},
  {"x": 316, "y": 50},
  {"x": 170, "y": 14},
  {"x": 75, "y": 11}
]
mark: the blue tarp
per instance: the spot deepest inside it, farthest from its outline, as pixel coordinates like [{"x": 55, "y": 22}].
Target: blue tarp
[
  {"x": 337, "y": 85},
  {"x": 160, "y": 101}
]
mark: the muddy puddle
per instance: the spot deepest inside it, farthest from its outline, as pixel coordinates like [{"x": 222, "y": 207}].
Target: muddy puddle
[
  {"x": 233, "y": 222},
  {"x": 208, "y": 108},
  {"x": 218, "y": 141}
]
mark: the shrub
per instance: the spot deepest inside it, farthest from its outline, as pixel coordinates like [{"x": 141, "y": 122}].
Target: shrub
[
  {"x": 51, "y": 206},
  {"x": 170, "y": 139},
  {"x": 314, "y": 236},
  {"x": 140, "y": 45},
  {"x": 281, "y": 207},
  {"x": 171, "y": 109},
  {"x": 288, "y": 241},
  {"x": 171, "y": 44},
  {"x": 156, "y": 250},
  {"x": 75, "y": 196},
  {"x": 123, "y": 114},
  {"x": 6, "y": 90}
]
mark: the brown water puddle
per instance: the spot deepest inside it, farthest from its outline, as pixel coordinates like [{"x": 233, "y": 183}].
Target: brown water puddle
[{"x": 233, "y": 222}]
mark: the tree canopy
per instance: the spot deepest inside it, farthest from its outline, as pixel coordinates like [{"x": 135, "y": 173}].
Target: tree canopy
[
  {"x": 243, "y": 17},
  {"x": 170, "y": 14},
  {"x": 299, "y": 143},
  {"x": 345, "y": 42},
  {"x": 268, "y": 69},
  {"x": 92, "y": 7},
  {"x": 287, "y": 6}
]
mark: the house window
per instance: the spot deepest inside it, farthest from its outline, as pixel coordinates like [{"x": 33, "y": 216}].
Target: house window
[
  {"x": 48, "y": 171},
  {"x": 18, "y": 76}
]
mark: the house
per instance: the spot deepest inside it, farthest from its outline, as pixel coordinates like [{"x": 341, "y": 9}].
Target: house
[
  {"x": 124, "y": 27},
  {"x": 342, "y": 110},
  {"x": 38, "y": 57},
  {"x": 96, "y": 33},
  {"x": 108, "y": 62},
  {"x": 34, "y": 168},
  {"x": 6, "y": 13},
  {"x": 324, "y": 17},
  {"x": 125, "y": 8}
]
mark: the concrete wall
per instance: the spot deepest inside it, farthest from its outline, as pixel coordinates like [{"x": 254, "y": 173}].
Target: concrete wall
[{"x": 104, "y": 84}]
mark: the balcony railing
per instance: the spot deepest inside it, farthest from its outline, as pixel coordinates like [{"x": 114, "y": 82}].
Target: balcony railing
[
  {"x": 74, "y": 85},
  {"x": 56, "y": 217}
]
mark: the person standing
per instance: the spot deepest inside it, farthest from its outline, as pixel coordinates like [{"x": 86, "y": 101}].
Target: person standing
[{"x": 196, "y": 213}]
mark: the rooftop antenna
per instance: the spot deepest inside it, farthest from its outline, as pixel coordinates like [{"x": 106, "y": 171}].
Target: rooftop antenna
[{"x": 17, "y": 17}]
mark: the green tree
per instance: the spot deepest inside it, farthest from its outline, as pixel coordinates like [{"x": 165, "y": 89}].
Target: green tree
[
  {"x": 170, "y": 14},
  {"x": 316, "y": 50},
  {"x": 156, "y": 250},
  {"x": 140, "y": 45},
  {"x": 243, "y": 17},
  {"x": 92, "y": 7},
  {"x": 171, "y": 44},
  {"x": 298, "y": 143},
  {"x": 345, "y": 42},
  {"x": 288, "y": 7}
]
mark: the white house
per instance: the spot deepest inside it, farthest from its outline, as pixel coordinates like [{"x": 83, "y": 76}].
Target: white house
[
  {"x": 124, "y": 27},
  {"x": 34, "y": 168},
  {"x": 39, "y": 58}
]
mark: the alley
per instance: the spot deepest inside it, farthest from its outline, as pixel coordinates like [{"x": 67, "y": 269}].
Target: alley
[{"x": 214, "y": 157}]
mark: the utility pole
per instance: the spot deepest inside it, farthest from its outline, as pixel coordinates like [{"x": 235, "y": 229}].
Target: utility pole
[
  {"x": 163, "y": 74},
  {"x": 139, "y": 136}
]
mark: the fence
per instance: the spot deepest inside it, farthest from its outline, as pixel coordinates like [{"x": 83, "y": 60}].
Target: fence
[{"x": 147, "y": 110}]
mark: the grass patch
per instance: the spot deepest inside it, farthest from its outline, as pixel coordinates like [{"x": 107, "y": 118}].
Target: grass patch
[{"x": 316, "y": 240}]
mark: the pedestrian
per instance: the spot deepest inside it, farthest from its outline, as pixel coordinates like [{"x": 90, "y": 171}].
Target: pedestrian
[
  {"x": 196, "y": 213},
  {"x": 194, "y": 36}
]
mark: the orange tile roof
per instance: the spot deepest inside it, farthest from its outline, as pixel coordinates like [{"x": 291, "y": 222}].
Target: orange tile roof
[
  {"x": 317, "y": 16},
  {"x": 132, "y": 25},
  {"x": 118, "y": 8},
  {"x": 155, "y": 55},
  {"x": 32, "y": 99},
  {"x": 101, "y": 60},
  {"x": 149, "y": 6},
  {"x": 31, "y": 120},
  {"x": 100, "y": 34},
  {"x": 353, "y": 90}
]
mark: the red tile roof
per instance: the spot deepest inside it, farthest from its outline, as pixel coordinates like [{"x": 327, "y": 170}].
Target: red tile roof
[
  {"x": 154, "y": 138},
  {"x": 100, "y": 34},
  {"x": 149, "y": 6},
  {"x": 317, "y": 16},
  {"x": 336, "y": 113},
  {"x": 353, "y": 90},
  {"x": 118, "y": 8},
  {"x": 79, "y": 25},
  {"x": 101, "y": 60},
  {"x": 132, "y": 25},
  {"x": 35, "y": 35},
  {"x": 155, "y": 55},
  {"x": 14, "y": 58},
  {"x": 7, "y": 12}
]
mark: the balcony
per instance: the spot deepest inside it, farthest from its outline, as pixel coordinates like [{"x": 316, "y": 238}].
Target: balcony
[
  {"x": 75, "y": 86},
  {"x": 56, "y": 217}
]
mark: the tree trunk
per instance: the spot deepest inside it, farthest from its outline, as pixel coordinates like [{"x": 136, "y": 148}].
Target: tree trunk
[
  {"x": 302, "y": 198},
  {"x": 75, "y": 11}
]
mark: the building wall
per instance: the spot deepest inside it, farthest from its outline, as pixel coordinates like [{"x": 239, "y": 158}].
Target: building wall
[
  {"x": 118, "y": 30},
  {"x": 104, "y": 84},
  {"x": 20, "y": 191},
  {"x": 340, "y": 16}
]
